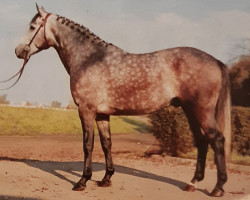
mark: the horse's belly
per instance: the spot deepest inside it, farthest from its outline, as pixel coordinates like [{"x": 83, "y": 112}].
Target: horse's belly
[{"x": 136, "y": 104}]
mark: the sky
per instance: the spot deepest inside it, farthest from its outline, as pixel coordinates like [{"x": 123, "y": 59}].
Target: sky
[{"x": 217, "y": 27}]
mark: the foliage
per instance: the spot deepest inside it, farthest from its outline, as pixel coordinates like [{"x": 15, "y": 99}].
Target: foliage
[
  {"x": 55, "y": 104},
  {"x": 71, "y": 105},
  {"x": 240, "y": 82},
  {"x": 171, "y": 128},
  {"x": 3, "y": 99},
  {"x": 37, "y": 121},
  {"x": 241, "y": 130}
]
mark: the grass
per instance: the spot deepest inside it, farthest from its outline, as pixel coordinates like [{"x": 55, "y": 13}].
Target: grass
[
  {"x": 36, "y": 121},
  {"x": 235, "y": 157},
  {"x": 239, "y": 159}
]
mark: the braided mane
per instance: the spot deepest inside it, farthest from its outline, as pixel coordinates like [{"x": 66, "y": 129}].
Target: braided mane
[{"x": 82, "y": 31}]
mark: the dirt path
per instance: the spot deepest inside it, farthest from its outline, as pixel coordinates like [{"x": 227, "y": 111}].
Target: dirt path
[{"x": 35, "y": 168}]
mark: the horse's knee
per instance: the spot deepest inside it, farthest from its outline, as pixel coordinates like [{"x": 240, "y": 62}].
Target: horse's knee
[
  {"x": 87, "y": 150},
  {"x": 106, "y": 144},
  {"x": 88, "y": 145}
]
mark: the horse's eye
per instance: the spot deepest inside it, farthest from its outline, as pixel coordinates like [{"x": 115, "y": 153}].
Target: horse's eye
[{"x": 32, "y": 28}]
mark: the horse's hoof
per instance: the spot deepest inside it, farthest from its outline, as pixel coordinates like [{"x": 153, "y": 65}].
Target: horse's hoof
[
  {"x": 104, "y": 183},
  {"x": 189, "y": 188},
  {"x": 217, "y": 193},
  {"x": 79, "y": 187}
]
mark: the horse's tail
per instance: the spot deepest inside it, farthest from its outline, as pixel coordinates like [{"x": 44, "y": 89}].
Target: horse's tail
[{"x": 223, "y": 110}]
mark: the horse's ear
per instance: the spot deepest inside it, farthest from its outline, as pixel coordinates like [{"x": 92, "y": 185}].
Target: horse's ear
[
  {"x": 41, "y": 11},
  {"x": 37, "y": 7}
]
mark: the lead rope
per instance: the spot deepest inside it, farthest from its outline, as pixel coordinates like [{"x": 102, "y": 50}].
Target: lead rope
[{"x": 20, "y": 72}]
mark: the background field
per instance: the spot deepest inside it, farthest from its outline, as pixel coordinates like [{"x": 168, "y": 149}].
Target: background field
[{"x": 37, "y": 121}]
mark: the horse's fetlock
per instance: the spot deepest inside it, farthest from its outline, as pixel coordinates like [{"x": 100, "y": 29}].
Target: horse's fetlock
[
  {"x": 199, "y": 177},
  {"x": 223, "y": 178},
  {"x": 110, "y": 172},
  {"x": 86, "y": 176}
]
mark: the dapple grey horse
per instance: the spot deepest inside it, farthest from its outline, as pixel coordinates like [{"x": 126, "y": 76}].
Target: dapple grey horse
[{"x": 105, "y": 80}]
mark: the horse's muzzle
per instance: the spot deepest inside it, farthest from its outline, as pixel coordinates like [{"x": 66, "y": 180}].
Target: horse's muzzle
[{"x": 22, "y": 51}]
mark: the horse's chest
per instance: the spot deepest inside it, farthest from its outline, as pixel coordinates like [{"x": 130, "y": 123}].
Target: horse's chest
[{"x": 88, "y": 88}]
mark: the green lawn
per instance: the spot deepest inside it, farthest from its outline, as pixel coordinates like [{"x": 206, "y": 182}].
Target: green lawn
[
  {"x": 235, "y": 157},
  {"x": 36, "y": 121}
]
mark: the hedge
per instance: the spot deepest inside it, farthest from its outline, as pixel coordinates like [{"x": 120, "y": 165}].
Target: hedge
[
  {"x": 171, "y": 128},
  {"x": 241, "y": 130}
]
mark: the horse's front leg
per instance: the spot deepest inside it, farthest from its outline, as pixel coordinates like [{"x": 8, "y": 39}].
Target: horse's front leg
[
  {"x": 87, "y": 119},
  {"x": 105, "y": 137}
]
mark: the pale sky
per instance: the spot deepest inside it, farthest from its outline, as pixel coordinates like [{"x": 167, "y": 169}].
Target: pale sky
[{"x": 137, "y": 26}]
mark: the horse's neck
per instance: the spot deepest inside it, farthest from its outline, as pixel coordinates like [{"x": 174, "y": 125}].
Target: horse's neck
[{"x": 76, "y": 45}]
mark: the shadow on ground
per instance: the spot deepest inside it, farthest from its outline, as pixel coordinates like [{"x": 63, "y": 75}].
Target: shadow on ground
[
  {"x": 141, "y": 127},
  {"x": 75, "y": 168},
  {"x": 16, "y": 198}
]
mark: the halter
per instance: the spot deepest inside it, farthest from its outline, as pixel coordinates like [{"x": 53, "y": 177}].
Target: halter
[
  {"x": 20, "y": 72},
  {"x": 42, "y": 24}
]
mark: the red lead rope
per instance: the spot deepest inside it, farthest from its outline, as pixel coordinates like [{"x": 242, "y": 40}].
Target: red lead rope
[{"x": 20, "y": 72}]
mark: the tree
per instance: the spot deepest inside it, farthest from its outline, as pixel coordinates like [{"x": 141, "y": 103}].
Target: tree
[
  {"x": 72, "y": 105},
  {"x": 240, "y": 82},
  {"x": 3, "y": 99},
  {"x": 55, "y": 104}
]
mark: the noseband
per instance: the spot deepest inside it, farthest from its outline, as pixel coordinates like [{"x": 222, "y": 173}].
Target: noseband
[{"x": 27, "y": 48}]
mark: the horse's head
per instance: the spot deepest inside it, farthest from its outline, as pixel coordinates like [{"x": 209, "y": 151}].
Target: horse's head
[{"x": 35, "y": 38}]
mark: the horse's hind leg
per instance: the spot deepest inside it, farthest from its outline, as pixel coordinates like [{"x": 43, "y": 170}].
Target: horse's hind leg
[
  {"x": 202, "y": 145},
  {"x": 105, "y": 137},
  {"x": 216, "y": 140}
]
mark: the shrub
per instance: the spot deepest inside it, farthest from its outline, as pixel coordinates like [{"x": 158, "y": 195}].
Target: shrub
[
  {"x": 171, "y": 128},
  {"x": 241, "y": 130},
  {"x": 3, "y": 99},
  {"x": 240, "y": 82}
]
